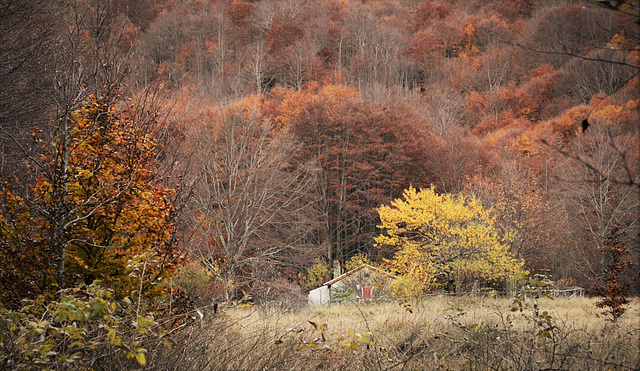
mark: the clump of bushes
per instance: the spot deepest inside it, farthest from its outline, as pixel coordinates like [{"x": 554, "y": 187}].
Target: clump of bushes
[{"x": 84, "y": 327}]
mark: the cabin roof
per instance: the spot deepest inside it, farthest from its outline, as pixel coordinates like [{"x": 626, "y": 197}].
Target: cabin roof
[{"x": 343, "y": 276}]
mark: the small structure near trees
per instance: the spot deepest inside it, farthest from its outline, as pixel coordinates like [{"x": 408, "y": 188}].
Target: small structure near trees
[{"x": 365, "y": 282}]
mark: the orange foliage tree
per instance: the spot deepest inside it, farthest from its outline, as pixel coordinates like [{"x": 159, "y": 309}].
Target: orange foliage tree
[{"x": 95, "y": 211}]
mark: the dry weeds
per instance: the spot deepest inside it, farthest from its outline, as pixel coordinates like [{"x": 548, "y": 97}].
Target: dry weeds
[{"x": 457, "y": 333}]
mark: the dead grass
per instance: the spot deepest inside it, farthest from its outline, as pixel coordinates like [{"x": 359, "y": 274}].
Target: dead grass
[{"x": 468, "y": 333}]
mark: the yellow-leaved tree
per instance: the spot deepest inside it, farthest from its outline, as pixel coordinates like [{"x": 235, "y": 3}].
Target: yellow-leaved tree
[
  {"x": 445, "y": 241},
  {"x": 97, "y": 210}
]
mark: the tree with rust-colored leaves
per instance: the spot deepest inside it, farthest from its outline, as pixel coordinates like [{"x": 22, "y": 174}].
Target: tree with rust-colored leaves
[
  {"x": 611, "y": 286},
  {"x": 366, "y": 155}
]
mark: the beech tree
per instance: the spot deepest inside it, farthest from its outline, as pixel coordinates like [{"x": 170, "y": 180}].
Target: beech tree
[
  {"x": 95, "y": 208},
  {"x": 365, "y": 154},
  {"x": 85, "y": 163},
  {"x": 446, "y": 241}
]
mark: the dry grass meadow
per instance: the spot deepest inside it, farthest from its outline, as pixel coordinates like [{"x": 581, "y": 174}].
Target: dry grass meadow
[{"x": 448, "y": 333}]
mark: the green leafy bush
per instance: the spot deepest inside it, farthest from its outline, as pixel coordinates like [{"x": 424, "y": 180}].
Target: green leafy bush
[{"x": 84, "y": 328}]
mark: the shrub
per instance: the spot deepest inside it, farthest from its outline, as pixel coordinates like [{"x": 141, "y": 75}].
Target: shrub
[
  {"x": 406, "y": 287},
  {"x": 317, "y": 274},
  {"x": 196, "y": 281},
  {"x": 78, "y": 330}
]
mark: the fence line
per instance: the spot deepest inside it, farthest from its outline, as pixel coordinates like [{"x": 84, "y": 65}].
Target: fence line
[{"x": 568, "y": 292}]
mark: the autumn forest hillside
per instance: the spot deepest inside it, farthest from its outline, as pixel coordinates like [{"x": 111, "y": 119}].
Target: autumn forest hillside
[{"x": 243, "y": 146}]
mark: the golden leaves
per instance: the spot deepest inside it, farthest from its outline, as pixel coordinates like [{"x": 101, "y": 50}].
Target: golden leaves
[
  {"x": 445, "y": 238},
  {"x": 102, "y": 172}
]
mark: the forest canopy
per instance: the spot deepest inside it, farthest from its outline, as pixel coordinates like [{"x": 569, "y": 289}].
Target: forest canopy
[
  {"x": 252, "y": 138},
  {"x": 165, "y": 161}
]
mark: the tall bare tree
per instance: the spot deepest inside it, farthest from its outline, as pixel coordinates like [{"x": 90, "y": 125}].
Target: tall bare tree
[
  {"x": 598, "y": 201},
  {"x": 252, "y": 203}
]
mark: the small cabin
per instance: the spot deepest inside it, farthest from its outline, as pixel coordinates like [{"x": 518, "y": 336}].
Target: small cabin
[{"x": 363, "y": 283}]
